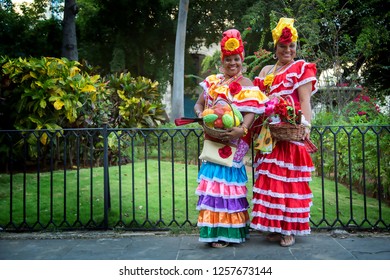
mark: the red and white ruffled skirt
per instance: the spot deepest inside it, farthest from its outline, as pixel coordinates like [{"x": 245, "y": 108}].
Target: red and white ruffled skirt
[{"x": 281, "y": 194}]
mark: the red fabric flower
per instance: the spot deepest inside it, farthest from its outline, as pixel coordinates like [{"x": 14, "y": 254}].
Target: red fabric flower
[
  {"x": 281, "y": 110},
  {"x": 286, "y": 37},
  {"x": 234, "y": 88},
  {"x": 225, "y": 151},
  {"x": 286, "y": 110}
]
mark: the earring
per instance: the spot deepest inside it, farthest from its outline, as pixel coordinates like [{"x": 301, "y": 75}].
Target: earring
[
  {"x": 244, "y": 69},
  {"x": 221, "y": 70},
  {"x": 274, "y": 56}
]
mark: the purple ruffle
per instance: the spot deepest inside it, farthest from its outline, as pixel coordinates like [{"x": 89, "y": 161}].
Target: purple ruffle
[{"x": 219, "y": 204}]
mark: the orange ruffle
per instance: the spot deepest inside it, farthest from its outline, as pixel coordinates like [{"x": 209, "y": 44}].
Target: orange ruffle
[{"x": 214, "y": 219}]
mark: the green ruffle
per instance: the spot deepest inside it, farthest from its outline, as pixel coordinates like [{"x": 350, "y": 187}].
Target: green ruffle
[{"x": 214, "y": 234}]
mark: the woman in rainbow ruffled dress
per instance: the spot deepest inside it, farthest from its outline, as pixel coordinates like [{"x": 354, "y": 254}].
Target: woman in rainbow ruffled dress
[
  {"x": 281, "y": 194},
  {"x": 222, "y": 204}
]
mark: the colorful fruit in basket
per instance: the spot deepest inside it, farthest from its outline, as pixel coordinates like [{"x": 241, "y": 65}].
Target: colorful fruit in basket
[
  {"x": 219, "y": 111},
  {"x": 238, "y": 114},
  {"x": 227, "y": 120},
  {"x": 207, "y": 111},
  {"x": 221, "y": 116},
  {"x": 210, "y": 118},
  {"x": 218, "y": 123}
]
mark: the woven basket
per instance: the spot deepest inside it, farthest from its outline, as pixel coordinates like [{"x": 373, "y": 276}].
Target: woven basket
[
  {"x": 217, "y": 132},
  {"x": 287, "y": 131},
  {"x": 213, "y": 132}
]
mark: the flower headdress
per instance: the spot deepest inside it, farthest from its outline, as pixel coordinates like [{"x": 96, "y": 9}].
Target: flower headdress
[
  {"x": 285, "y": 31},
  {"x": 231, "y": 43}
]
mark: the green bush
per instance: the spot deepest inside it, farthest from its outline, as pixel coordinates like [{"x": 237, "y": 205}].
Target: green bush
[
  {"x": 355, "y": 147},
  {"x": 53, "y": 94},
  {"x": 47, "y": 93},
  {"x": 136, "y": 102}
]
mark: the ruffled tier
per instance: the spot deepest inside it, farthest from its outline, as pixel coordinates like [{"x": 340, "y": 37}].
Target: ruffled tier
[
  {"x": 283, "y": 215},
  {"x": 229, "y": 176},
  {"x": 283, "y": 227},
  {"x": 287, "y": 162},
  {"x": 220, "y": 190},
  {"x": 222, "y": 226},
  {"x": 213, "y": 219},
  {"x": 219, "y": 204},
  {"x": 249, "y": 99},
  {"x": 232, "y": 235},
  {"x": 288, "y": 155},
  {"x": 281, "y": 195},
  {"x": 267, "y": 205},
  {"x": 267, "y": 186},
  {"x": 292, "y": 77}
]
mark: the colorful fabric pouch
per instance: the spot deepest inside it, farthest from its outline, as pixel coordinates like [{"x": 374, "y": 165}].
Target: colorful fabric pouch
[
  {"x": 218, "y": 153},
  {"x": 264, "y": 142}
]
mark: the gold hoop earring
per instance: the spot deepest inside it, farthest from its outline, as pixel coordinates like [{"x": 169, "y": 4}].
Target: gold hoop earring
[
  {"x": 244, "y": 69},
  {"x": 221, "y": 70},
  {"x": 274, "y": 56}
]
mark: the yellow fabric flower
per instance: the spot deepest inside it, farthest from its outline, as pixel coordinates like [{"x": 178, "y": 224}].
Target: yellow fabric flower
[
  {"x": 277, "y": 31},
  {"x": 232, "y": 44},
  {"x": 269, "y": 79}
]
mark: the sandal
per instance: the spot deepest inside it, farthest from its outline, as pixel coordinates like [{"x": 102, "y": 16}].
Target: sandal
[
  {"x": 219, "y": 244},
  {"x": 274, "y": 237},
  {"x": 287, "y": 240}
]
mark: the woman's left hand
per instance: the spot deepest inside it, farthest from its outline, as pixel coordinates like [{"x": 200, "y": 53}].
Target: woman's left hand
[
  {"x": 232, "y": 134},
  {"x": 307, "y": 133}
]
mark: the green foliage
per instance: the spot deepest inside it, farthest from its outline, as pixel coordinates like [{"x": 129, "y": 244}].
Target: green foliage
[
  {"x": 52, "y": 94},
  {"x": 138, "y": 99},
  {"x": 210, "y": 64},
  {"x": 363, "y": 109},
  {"x": 30, "y": 33},
  {"x": 355, "y": 146},
  {"x": 352, "y": 37},
  {"x": 48, "y": 92}
]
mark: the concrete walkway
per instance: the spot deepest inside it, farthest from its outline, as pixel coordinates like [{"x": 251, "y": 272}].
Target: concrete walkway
[{"x": 336, "y": 245}]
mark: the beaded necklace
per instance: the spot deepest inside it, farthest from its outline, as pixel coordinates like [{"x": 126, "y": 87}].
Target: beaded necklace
[
  {"x": 230, "y": 80},
  {"x": 269, "y": 78}
]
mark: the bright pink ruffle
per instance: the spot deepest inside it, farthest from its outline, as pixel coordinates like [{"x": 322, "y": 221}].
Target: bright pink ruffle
[{"x": 216, "y": 189}]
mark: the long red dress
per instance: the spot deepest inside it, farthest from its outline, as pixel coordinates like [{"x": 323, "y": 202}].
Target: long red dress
[{"x": 281, "y": 194}]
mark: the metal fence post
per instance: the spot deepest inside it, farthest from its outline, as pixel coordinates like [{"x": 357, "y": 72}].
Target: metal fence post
[{"x": 107, "y": 199}]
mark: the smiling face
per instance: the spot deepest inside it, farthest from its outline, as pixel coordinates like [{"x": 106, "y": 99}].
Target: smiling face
[
  {"x": 286, "y": 52},
  {"x": 232, "y": 65}
]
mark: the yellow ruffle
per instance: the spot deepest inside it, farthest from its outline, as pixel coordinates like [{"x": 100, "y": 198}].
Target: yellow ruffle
[
  {"x": 214, "y": 79},
  {"x": 246, "y": 94},
  {"x": 250, "y": 94}
]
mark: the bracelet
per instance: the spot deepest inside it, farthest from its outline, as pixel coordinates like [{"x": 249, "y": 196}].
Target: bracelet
[
  {"x": 245, "y": 130},
  {"x": 197, "y": 113}
]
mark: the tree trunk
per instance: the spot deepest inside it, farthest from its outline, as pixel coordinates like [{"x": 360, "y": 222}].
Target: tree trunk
[
  {"x": 178, "y": 72},
  {"x": 69, "y": 38}
]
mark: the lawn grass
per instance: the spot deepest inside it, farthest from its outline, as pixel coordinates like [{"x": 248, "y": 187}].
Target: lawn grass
[{"x": 149, "y": 194}]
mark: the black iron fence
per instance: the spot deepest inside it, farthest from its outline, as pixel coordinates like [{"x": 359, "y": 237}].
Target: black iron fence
[{"x": 140, "y": 179}]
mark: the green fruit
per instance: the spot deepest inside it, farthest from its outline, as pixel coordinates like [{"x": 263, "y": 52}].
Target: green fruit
[
  {"x": 210, "y": 118},
  {"x": 238, "y": 114},
  {"x": 227, "y": 121}
]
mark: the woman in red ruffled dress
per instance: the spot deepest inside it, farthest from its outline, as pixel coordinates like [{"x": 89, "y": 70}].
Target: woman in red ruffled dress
[{"x": 281, "y": 194}]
